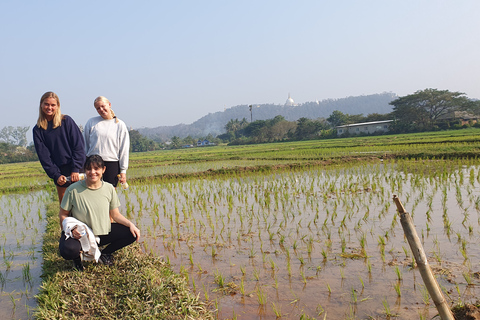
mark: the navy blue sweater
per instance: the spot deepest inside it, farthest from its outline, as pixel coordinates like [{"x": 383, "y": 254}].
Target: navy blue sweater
[{"x": 61, "y": 146}]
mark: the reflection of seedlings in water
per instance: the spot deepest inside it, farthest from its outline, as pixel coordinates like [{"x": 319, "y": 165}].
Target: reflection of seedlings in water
[{"x": 3, "y": 279}]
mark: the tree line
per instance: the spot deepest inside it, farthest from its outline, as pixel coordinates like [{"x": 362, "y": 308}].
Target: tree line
[{"x": 424, "y": 110}]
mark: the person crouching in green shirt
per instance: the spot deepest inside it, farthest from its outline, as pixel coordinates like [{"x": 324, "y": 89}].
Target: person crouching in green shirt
[{"x": 91, "y": 203}]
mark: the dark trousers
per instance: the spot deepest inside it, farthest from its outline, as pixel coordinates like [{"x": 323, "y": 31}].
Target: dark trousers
[
  {"x": 111, "y": 173},
  {"x": 119, "y": 237}
]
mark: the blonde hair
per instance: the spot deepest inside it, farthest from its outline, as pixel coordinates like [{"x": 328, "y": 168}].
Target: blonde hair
[
  {"x": 102, "y": 98},
  {"x": 42, "y": 121}
]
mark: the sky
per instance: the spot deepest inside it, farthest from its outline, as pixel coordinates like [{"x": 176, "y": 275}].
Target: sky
[{"x": 163, "y": 63}]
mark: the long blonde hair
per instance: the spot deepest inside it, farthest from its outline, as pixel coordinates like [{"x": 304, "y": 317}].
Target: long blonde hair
[
  {"x": 102, "y": 98},
  {"x": 42, "y": 121}
]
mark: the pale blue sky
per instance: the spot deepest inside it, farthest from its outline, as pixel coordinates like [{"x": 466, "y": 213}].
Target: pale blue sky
[{"x": 170, "y": 62}]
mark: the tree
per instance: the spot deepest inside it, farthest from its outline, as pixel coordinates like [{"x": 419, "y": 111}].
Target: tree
[
  {"x": 176, "y": 142},
  {"x": 14, "y": 135},
  {"x": 309, "y": 129},
  {"x": 139, "y": 143},
  {"x": 234, "y": 126},
  {"x": 378, "y": 117},
  {"x": 337, "y": 118},
  {"x": 424, "y": 108}
]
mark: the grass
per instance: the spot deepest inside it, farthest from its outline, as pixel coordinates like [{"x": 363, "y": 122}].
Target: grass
[{"x": 139, "y": 286}]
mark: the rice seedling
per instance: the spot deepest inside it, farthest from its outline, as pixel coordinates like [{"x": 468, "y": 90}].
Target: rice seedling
[
  {"x": 242, "y": 287},
  {"x": 361, "y": 281},
  {"x": 396, "y": 286},
  {"x": 256, "y": 274},
  {"x": 387, "y": 310},
  {"x": 468, "y": 278},
  {"x": 276, "y": 310},
  {"x": 261, "y": 296},
  {"x": 425, "y": 295},
  {"x": 398, "y": 272}
]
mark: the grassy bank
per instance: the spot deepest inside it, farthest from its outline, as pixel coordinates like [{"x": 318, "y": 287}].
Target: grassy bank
[{"x": 139, "y": 286}]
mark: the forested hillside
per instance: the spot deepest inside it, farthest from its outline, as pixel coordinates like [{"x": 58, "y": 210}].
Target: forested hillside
[{"x": 214, "y": 123}]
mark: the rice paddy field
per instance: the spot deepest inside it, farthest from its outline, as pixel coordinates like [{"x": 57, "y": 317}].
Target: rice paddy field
[{"x": 304, "y": 230}]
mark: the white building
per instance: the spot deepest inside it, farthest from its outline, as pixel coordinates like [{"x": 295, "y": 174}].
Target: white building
[
  {"x": 290, "y": 102},
  {"x": 365, "y": 127}
]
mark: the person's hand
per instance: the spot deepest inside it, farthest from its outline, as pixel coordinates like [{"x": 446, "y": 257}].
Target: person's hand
[
  {"x": 75, "y": 233},
  {"x": 74, "y": 177},
  {"x": 135, "y": 231},
  {"x": 122, "y": 178},
  {"x": 61, "y": 180}
]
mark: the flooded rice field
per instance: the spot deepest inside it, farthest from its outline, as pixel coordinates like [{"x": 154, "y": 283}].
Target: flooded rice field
[
  {"x": 21, "y": 235},
  {"x": 323, "y": 243}
]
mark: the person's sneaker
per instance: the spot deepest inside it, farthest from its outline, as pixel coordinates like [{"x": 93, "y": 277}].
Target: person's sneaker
[
  {"x": 77, "y": 264},
  {"x": 106, "y": 259}
]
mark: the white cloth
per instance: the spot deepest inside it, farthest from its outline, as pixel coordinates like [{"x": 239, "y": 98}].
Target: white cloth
[
  {"x": 109, "y": 139},
  {"x": 93, "y": 253}
]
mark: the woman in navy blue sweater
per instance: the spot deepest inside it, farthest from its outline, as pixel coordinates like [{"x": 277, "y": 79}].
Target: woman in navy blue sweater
[{"x": 59, "y": 143}]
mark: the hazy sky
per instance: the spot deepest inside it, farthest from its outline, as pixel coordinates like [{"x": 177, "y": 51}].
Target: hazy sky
[{"x": 170, "y": 62}]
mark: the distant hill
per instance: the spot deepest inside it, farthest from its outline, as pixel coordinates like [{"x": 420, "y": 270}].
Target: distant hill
[{"x": 214, "y": 123}]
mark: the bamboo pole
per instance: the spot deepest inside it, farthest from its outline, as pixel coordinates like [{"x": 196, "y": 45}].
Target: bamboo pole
[{"x": 422, "y": 262}]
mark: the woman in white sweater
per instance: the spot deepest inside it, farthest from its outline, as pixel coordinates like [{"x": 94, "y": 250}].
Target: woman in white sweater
[{"x": 108, "y": 136}]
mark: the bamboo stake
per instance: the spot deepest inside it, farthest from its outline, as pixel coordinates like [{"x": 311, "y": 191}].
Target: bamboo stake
[{"x": 422, "y": 262}]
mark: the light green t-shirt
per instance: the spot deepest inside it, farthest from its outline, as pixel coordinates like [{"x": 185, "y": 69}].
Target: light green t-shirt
[{"x": 91, "y": 206}]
